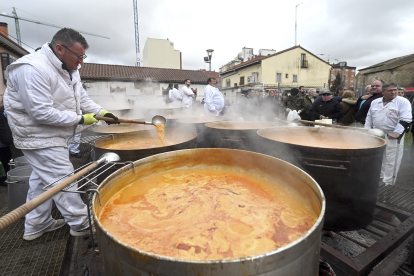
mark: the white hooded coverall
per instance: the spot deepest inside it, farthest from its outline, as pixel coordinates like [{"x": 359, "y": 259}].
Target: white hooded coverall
[
  {"x": 175, "y": 97},
  {"x": 387, "y": 119},
  {"x": 43, "y": 103}
]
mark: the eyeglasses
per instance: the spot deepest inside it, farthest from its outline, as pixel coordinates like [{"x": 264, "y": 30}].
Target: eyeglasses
[{"x": 80, "y": 57}]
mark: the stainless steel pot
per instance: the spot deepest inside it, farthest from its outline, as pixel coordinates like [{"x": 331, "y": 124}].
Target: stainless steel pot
[
  {"x": 300, "y": 257},
  {"x": 19, "y": 162},
  {"x": 198, "y": 125},
  {"x": 348, "y": 173},
  {"x": 17, "y": 186},
  {"x": 236, "y": 134}
]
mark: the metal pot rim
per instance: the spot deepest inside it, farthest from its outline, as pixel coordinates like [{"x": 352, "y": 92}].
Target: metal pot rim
[
  {"x": 213, "y": 125},
  {"x": 19, "y": 177},
  {"x": 234, "y": 260},
  {"x": 321, "y": 129}
]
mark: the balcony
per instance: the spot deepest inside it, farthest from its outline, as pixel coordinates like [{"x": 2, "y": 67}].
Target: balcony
[{"x": 304, "y": 63}]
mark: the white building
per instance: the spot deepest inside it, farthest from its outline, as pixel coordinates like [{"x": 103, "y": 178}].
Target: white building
[{"x": 160, "y": 53}]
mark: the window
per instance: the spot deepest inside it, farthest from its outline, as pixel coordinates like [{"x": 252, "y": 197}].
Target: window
[
  {"x": 346, "y": 70},
  {"x": 6, "y": 60},
  {"x": 295, "y": 78},
  {"x": 242, "y": 80},
  {"x": 228, "y": 83},
  {"x": 286, "y": 76},
  {"x": 352, "y": 80},
  {"x": 352, "y": 76},
  {"x": 235, "y": 84},
  {"x": 278, "y": 77},
  {"x": 303, "y": 61},
  {"x": 353, "y": 70}
]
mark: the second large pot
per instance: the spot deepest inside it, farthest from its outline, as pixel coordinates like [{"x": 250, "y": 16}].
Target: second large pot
[{"x": 345, "y": 164}]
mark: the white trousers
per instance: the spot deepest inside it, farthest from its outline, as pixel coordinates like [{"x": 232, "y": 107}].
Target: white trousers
[
  {"x": 388, "y": 160},
  {"x": 74, "y": 148},
  {"x": 48, "y": 165}
]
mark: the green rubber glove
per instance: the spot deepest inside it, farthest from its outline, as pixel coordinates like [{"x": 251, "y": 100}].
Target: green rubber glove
[
  {"x": 88, "y": 119},
  {"x": 109, "y": 115}
]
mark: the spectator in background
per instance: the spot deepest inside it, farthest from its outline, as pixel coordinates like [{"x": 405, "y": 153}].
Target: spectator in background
[
  {"x": 393, "y": 115},
  {"x": 187, "y": 93},
  {"x": 6, "y": 139},
  {"x": 363, "y": 107},
  {"x": 336, "y": 98},
  {"x": 214, "y": 100},
  {"x": 166, "y": 95},
  {"x": 367, "y": 91},
  {"x": 175, "y": 96},
  {"x": 340, "y": 90},
  {"x": 302, "y": 91},
  {"x": 348, "y": 107},
  {"x": 248, "y": 105},
  {"x": 309, "y": 99},
  {"x": 294, "y": 102},
  {"x": 401, "y": 92},
  {"x": 327, "y": 108}
]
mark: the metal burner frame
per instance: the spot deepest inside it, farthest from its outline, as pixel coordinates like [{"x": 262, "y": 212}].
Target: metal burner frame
[{"x": 386, "y": 255}]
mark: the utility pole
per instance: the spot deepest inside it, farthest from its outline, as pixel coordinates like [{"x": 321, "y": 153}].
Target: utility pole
[
  {"x": 16, "y": 22},
  {"x": 138, "y": 62},
  {"x": 296, "y": 22}
]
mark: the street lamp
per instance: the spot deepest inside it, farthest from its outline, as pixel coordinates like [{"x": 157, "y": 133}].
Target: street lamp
[
  {"x": 296, "y": 21},
  {"x": 207, "y": 59}
]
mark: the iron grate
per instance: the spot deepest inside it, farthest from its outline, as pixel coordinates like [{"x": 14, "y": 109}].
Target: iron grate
[
  {"x": 396, "y": 197},
  {"x": 43, "y": 256}
]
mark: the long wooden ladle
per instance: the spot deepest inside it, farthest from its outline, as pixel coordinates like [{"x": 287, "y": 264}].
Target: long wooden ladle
[{"x": 157, "y": 119}]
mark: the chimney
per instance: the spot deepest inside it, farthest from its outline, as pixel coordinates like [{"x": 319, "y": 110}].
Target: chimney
[{"x": 3, "y": 29}]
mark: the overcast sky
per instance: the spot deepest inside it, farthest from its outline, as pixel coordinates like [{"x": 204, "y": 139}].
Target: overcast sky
[{"x": 361, "y": 32}]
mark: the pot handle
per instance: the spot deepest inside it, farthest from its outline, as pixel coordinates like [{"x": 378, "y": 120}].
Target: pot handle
[
  {"x": 10, "y": 182},
  {"x": 340, "y": 167}
]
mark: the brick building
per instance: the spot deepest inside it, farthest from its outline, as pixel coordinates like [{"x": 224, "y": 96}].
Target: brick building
[
  {"x": 399, "y": 70},
  {"x": 347, "y": 75}
]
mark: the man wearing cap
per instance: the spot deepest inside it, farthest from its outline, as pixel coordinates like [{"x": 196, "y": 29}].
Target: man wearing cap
[
  {"x": 327, "y": 108},
  {"x": 295, "y": 102},
  {"x": 44, "y": 99},
  {"x": 392, "y": 115}
]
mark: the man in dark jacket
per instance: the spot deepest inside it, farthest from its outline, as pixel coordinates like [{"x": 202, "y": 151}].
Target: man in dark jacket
[
  {"x": 327, "y": 108},
  {"x": 294, "y": 102},
  {"x": 363, "y": 105}
]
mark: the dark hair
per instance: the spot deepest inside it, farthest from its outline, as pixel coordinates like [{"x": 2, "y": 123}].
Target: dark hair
[
  {"x": 68, "y": 37},
  {"x": 84, "y": 85},
  {"x": 176, "y": 85},
  {"x": 301, "y": 87},
  {"x": 186, "y": 80},
  {"x": 391, "y": 84},
  {"x": 294, "y": 91},
  {"x": 209, "y": 79},
  {"x": 170, "y": 84},
  {"x": 340, "y": 87}
]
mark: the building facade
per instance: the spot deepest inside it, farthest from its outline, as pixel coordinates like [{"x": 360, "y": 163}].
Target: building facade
[
  {"x": 9, "y": 52},
  {"x": 284, "y": 70},
  {"x": 347, "y": 74},
  {"x": 399, "y": 70},
  {"x": 160, "y": 53}
]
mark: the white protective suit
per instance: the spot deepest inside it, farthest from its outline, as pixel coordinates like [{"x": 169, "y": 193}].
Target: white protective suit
[
  {"x": 175, "y": 97},
  {"x": 188, "y": 96},
  {"x": 387, "y": 119},
  {"x": 43, "y": 104},
  {"x": 214, "y": 101}
]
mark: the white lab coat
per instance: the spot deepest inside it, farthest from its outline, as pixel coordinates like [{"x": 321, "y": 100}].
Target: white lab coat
[
  {"x": 188, "y": 96},
  {"x": 214, "y": 101},
  {"x": 175, "y": 97},
  {"x": 387, "y": 119}
]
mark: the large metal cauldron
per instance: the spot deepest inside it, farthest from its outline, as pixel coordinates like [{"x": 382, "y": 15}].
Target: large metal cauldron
[
  {"x": 300, "y": 257},
  {"x": 236, "y": 134},
  {"x": 348, "y": 173},
  {"x": 121, "y": 128},
  {"x": 198, "y": 125},
  {"x": 181, "y": 139}
]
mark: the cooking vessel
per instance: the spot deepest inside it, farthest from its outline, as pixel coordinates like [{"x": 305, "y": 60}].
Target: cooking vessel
[
  {"x": 300, "y": 257},
  {"x": 163, "y": 111},
  {"x": 236, "y": 134},
  {"x": 348, "y": 174},
  {"x": 182, "y": 139},
  {"x": 17, "y": 185},
  {"x": 121, "y": 128},
  {"x": 198, "y": 125}
]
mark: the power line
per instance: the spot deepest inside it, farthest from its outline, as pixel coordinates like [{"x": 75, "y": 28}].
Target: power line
[{"x": 7, "y": 34}]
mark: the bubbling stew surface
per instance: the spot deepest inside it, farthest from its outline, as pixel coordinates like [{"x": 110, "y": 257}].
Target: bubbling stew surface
[{"x": 207, "y": 214}]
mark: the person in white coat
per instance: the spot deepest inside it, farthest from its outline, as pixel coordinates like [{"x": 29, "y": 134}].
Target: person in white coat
[
  {"x": 214, "y": 100},
  {"x": 187, "y": 93},
  {"x": 175, "y": 96},
  {"x": 391, "y": 114},
  {"x": 43, "y": 100}
]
